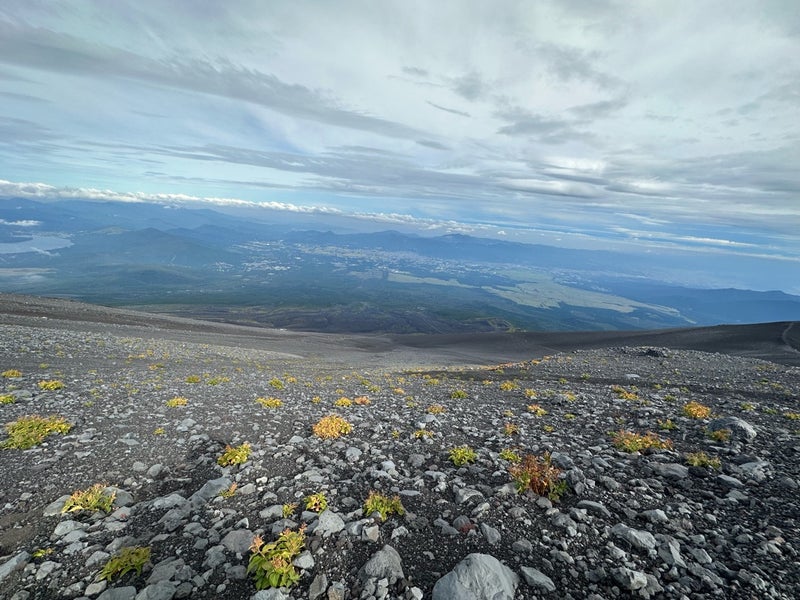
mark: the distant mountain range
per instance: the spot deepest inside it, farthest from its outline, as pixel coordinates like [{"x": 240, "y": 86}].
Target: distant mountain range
[{"x": 292, "y": 271}]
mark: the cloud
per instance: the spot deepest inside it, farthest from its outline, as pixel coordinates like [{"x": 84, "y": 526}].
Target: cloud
[{"x": 450, "y": 110}]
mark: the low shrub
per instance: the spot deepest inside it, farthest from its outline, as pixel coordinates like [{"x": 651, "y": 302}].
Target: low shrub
[
  {"x": 461, "y": 455},
  {"x": 332, "y": 426},
  {"x": 27, "y": 432},
  {"x": 537, "y": 474},
  {"x": 91, "y": 499},
  {"x": 271, "y": 564},
  {"x": 234, "y": 456},
  {"x": 383, "y": 505},
  {"x": 131, "y": 558}
]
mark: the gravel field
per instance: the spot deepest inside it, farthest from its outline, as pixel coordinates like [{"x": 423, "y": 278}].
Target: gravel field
[{"x": 618, "y": 524}]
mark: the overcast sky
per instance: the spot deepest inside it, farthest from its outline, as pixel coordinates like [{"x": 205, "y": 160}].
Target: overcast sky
[{"x": 592, "y": 123}]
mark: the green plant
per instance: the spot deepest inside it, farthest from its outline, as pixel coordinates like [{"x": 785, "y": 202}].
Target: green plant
[
  {"x": 510, "y": 455},
  {"x": 316, "y": 400},
  {"x": 511, "y": 429},
  {"x": 287, "y": 510},
  {"x": 7, "y": 399},
  {"x": 41, "y": 552},
  {"x": 362, "y": 400},
  {"x": 383, "y": 505},
  {"x": 548, "y": 428},
  {"x": 193, "y": 379},
  {"x": 529, "y": 393},
  {"x": 234, "y": 456},
  {"x": 720, "y": 435},
  {"x": 624, "y": 394},
  {"x": 461, "y": 455},
  {"x": 537, "y": 474},
  {"x": 159, "y": 431},
  {"x": 423, "y": 434},
  {"x": 217, "y": 380},
  {"x": 458, "y": 395},
  {"x": 91, "y": 499},
  {"x": 634, "y": 442},
  {"x": 12, "y": 373},
  {"x": 695, "y": 410},
  {"x": 435, "y": 409},
  {"x": 585, "y": 376},
  {"x": 537, "y": 410},
  {"x": 131, "y": 558},
  {"x": 747, "y": 406},
  {"x": 270, "y": 402},
  {"x": 276, "y": 383},
  {"x": 176, "y": 402},
  {"x": 332, "y": 426},
  {"x": 562, "y": 380},
  {"x": 51, "y": 384},
  {"x": 701, "y": 459},
  {"x": 507, "y": 386},
  {"x": 27, "y": 432},
  {"x": 271, "y": 564},
  {"x": 569, "y": 416},
  {"x": 667, "y": 425},
  {"x": 792, "y": 416},
  {"x": 343, "y": 402},
  {"x": 317, "y": 502}
]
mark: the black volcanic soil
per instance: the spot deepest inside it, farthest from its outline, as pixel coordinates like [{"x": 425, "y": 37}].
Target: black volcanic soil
[{"x": 698, "y": 532}]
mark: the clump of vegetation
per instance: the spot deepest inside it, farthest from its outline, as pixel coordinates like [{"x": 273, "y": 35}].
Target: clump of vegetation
[
  {"x": 621, "y": 392},
  {"x": 287, "y": 510},
  {"x": 667, "y": 425},
  {"x": 193, "y": 379},
  {"x": 383, "y": 505},
  {"x": 316, "y": 400},
  {"x": 529, "y": 393},
  {"x": 747, "y": 406},
  {"x": 511, "y": 429},
  {"x": 10, "y": 373},
  {"x": 271, "y": 564},
  {"x": 343, "y": 402},
  {"x": 177, "y": 401},
  {"x": 430, "y": 380},
  {"x": 159, "y": 431},
  {"x": 435, "y": 409},
  {"x": 508, "y": 386},
  {"x": 510, "y": 455},
  {"x": 51, "y": 384},
  {"x": 461, "y": 455},
  {"x": 270, "y": 402},
  {"x": 217, "y": 380},
  {"x": 634, "y": 442},
  {"x": 131, "y": 558},
  {"x": 792, "y": 416},
  {"x": 332, "y": 426},
  {"x": 234, "y": 456},
  {"x": 362, "y": 401},
  {"x": 537, "y": 474},
  {"x": 458, "y": 395},
  {"x": 720, "y": 435},
  {"x": 701, "y": 459},
  {"x": 423, "y": 434},
  {"x": 317, "y": 502},
  {"x": 569, "y": 416},
  {"x": 276, "y": 383},
  {"x": 7, "y": 399},
  {"x": 91, "y": 499},
  {"x": 695, "y": 410},
  {"x": 41, "y": 552},
  {"x": 230, "y": 492},
  {"x": 536, "y": 410},
  {"x": 27, "y": 432}
]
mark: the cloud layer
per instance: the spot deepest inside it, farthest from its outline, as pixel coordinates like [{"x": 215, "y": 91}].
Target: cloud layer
[{"x": 652, "y": 123}]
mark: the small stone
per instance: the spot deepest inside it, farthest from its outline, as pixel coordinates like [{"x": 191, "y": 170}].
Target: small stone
[
  {"x": 477, "y": 576},
  {"x": 386, "y": 562},
  {"x": 536, "y": 579},
  {"x": 630, "y": 579}
]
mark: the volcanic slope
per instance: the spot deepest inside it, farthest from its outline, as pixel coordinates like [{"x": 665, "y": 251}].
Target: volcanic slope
[{"x": 151, "y": 413}]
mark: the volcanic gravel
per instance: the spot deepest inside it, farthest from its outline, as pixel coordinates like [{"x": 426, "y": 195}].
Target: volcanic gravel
[{"x": 627, "y": 525}]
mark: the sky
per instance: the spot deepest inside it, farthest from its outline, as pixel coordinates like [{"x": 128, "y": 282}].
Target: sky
[{"x": 652, "y": 126}]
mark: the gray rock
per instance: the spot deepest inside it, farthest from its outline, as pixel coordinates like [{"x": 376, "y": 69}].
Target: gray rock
[
  {"x": 671, "y": 470},
  {"x": 729, "y": 482},
  {"x": 305, "y": 561},
  {"x": 54, "y": 508},
  {"x": 740, "y": 429},
  {"x": 15, "y": 563},
  {"x": 386, "y": 562},
  {"x": 337, "y": 591},
  {"x": 95, "y": 588},
  {"x": 595, "y": 508},
  {"x": 329, "y": 523},
  {"x": 163, "y": 590},
  {"x": 65, "y": 527},
  {"x": 238, "y": 541},
  {"x": 211, "y": 489},
  {"x": 46, "y": 569},
  {"x": 119, "y": 593},
  {"x": 536, "y": 579},
  {"x": 271, "y": 594},
  {"x": 318, "y": 587},
  {"x": 491, "y": 534},
  {"x": 655, "y": 515},
  {"x": 637, "y": 538},
  {"x": 477, "y": 577},
  {"x": 466, "y": 494},
  {"x": 670, "y": 553},
  {"x": 170, "y": 501},
  {"x": 630, "y": 579}
]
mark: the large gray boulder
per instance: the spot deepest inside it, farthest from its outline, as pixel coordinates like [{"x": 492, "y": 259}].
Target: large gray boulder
[{"x": 477, "y": 577}]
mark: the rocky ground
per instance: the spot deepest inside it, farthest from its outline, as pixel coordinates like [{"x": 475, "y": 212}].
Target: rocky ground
[{"x": 627, "y": 525}]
